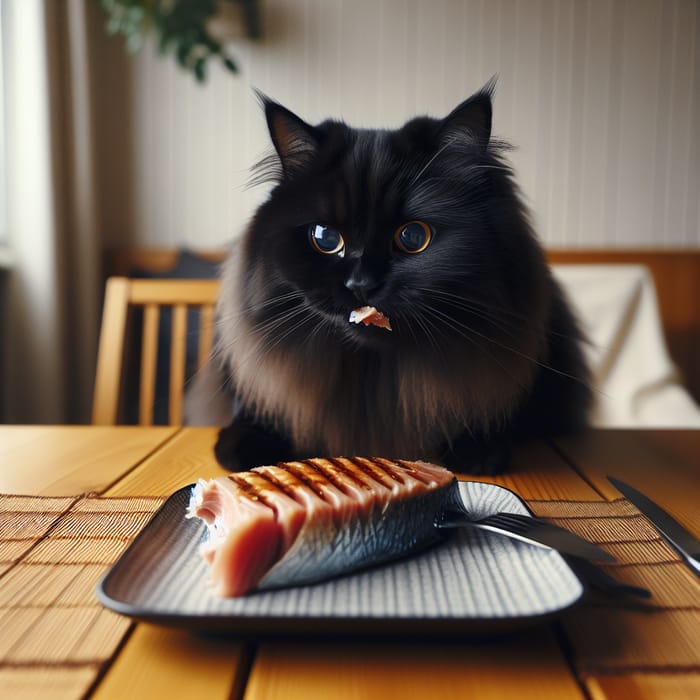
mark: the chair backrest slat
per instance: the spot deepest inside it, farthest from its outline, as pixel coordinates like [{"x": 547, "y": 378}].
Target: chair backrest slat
[
  {"x": 122, "y": 296},
  {"x": 178, "y": 349},
  {"x": 110, "y": 355},
  {"x": 149, "y": 363}
]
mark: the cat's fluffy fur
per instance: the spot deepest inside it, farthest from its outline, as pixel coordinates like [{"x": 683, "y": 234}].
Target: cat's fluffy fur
[{"x": 484, "y": 348}]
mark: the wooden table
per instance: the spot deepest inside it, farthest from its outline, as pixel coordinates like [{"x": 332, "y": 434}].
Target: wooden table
[{"x": 609, "y": 649}]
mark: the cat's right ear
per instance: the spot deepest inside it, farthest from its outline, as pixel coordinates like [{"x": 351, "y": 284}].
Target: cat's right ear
[
  {"x": 472, "y": 119},
  {"x": 295, "y": 141}
]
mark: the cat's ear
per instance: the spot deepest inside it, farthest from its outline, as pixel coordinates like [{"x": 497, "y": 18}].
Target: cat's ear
[
  {"x": 295, "y": 141},
  {"x": 471, "y": 119}
]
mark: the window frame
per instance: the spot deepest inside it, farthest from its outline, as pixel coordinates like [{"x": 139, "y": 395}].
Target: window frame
[{"x": 4, "y": 234}]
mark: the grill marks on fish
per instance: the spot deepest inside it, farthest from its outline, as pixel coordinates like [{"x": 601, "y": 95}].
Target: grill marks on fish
[
  {"x": 377, "y": 475},
  {"x": 336, "y": 474},
  {"x": 349, "y": 472},
  {"x": 316, "y": 518},
  {"x": 314, "y": 478},
  {"x": 247, "y": 483}
]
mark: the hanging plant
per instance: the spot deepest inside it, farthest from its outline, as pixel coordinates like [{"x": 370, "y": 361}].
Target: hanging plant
[{"x": 189, "y": 28}]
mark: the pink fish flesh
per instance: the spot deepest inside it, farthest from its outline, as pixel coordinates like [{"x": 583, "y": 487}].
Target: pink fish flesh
[
  {"x": 299, "y": 522},
  {"x": 370, "y": 317}
]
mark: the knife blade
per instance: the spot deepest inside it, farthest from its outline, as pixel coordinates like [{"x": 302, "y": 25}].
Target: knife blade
[
  {"x": 530, "y": 530},
  {"x": 672, "y": 531}
]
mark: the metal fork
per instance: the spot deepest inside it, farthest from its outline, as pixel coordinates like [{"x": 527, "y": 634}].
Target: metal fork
[
  {"x": 527, "y": 529},
  {"x": 604, "y": 582},
  {"x": 580, "y": 552}
]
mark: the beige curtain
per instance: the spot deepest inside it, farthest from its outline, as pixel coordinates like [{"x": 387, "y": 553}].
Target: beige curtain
[{"x": 53, "y": 286}]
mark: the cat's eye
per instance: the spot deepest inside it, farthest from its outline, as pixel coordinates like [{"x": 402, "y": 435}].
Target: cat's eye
[
  {"x": 413, "y": 237},
  {"x": 326, "y": 240}
]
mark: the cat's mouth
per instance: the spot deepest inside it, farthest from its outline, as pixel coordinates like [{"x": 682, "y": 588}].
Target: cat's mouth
[{"x": 370, "y": 316}]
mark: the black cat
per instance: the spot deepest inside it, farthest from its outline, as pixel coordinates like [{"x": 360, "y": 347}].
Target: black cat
[{"x": 425, "y": 225}]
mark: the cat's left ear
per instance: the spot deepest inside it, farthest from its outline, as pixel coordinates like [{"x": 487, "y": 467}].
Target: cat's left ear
[
  {"x": 295, "y": 141},
  {"x": 471, "y": 119}
]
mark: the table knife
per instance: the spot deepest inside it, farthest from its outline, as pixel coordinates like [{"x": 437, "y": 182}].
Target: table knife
[{"x": 672, "y": 531}]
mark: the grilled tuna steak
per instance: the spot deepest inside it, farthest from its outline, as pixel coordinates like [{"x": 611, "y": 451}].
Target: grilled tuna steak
[{"x": 299, "y": 522}]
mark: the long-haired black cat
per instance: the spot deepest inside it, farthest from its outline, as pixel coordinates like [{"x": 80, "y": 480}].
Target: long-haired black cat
[{"x": 423, "y": 223}]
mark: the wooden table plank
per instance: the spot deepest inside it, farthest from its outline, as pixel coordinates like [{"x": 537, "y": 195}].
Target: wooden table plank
[
  {"x": 72, "y": 460},
  {"x": 187, "y": 457},
  {"x": 539, "y": 472},
  {"x": 608, "y": 641},
  {"x": 645, "y": 686},
  {"x": 529, "y": 665},
  {"x": 664, "y": 464},
  {"x": 30, "y": 682},
  {"x": 168, "y": 663}
]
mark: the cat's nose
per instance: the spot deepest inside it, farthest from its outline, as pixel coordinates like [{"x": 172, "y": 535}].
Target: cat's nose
[{"x": 361, "y": 283}]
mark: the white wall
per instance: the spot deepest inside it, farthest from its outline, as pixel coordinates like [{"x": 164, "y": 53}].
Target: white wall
[{"x": 600, "y": 97}]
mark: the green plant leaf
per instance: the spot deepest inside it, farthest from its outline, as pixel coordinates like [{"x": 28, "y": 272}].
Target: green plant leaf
[
  {"x": 230, "y": 65},
  {"x": 200, "y": 71},
  {"x": 178, "y": 25}
]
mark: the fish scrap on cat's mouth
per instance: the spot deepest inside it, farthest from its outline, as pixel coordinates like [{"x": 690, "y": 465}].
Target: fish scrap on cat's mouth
[{"x": 370, "y": 317}]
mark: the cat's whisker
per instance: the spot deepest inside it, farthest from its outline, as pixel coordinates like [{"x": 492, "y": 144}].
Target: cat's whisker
[
  {"x": 268, "y": 324},
  {"x": 261, "y": 329},
  {"x": 425, "y": 324},
  {"x": 574, "y": 337},
  {"x": 289, "y": 331},
  {"x": 481, "y": 348},
  {"x": 471, "y": 303},
  {"x": 278, "y": 328},
  {"x": 478, "y": 346},
  {"x": 483, "y": 166},
  {"x": 253, "y": 308},
  {"x": 487, "y": 314},
  {"x": 446, "y": 145},
  {"x": 426, "y": 331},
  {"x": 486, "y": 305},
  {"x": 525, "y": 356},
  {"x": 401, "y": 321},
  {"x": 276, "y": 320},
  {"x": 442, "y": 323},
  {"x": 323, "y": 324},
  {"x": 508, "y": 328},
  {"x": 263, "y": 346}
]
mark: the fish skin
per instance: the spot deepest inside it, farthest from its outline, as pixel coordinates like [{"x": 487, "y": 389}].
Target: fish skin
[{"x": 382, "y": 511}]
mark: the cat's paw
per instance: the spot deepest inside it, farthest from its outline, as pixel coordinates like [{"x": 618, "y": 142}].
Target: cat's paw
[
  {"x": 244, "y": 445},
  {"x": 477, "y": 457}
]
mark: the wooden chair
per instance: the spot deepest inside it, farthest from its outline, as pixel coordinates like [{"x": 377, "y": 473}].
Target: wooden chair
[
  {"x": 676, "y": 276},
  {"x": 123, "y": 298}
]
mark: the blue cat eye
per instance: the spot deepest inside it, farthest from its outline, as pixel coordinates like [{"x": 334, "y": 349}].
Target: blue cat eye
[
  {"x": 413, "y": 237},
  {"x": 325, "y": 239}
]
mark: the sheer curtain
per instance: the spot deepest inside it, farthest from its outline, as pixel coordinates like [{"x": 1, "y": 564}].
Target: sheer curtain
[{"x": 53, "y": 290}]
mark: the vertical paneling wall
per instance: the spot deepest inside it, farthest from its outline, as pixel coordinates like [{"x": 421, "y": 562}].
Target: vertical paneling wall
[{"x": 601, "y": 99}]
